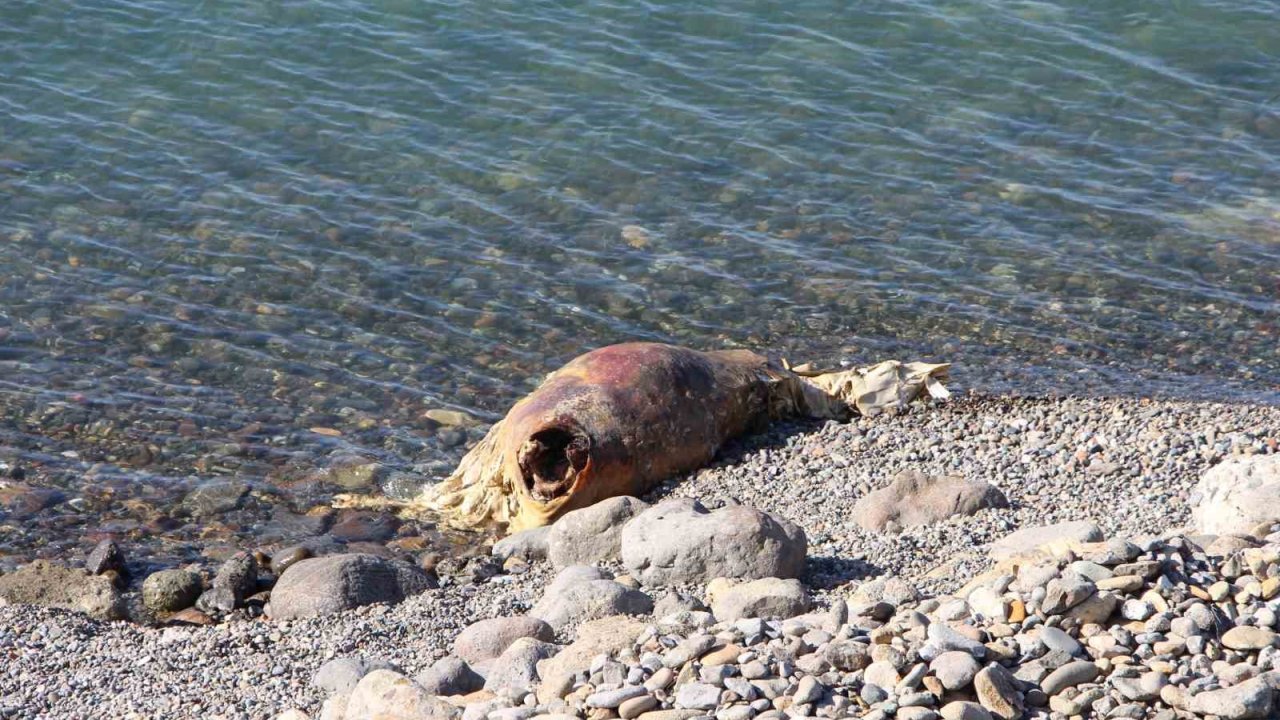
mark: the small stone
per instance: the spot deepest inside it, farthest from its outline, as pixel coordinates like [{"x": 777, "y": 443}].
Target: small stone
[
  {"x": 1073, "y": 673},
  {"x": 963, "y": 710},
  {"x": 809, "y": 690},
  {"x": 997, "y": 691},
  {"x": 106, "y": 556},
  {"x": 697, "y": 696},
  {"x": 171, "y": 590},
  {"x": 955, "y": 669},
  {"x": 1064, "y": 593},
  {"x": 1247, "y": 637},
  {"x": 637, "y": 706},
  {"x": 615, "y": 698}
]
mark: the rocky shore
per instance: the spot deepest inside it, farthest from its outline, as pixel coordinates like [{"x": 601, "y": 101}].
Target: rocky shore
[{"x": 993, "y": 558}]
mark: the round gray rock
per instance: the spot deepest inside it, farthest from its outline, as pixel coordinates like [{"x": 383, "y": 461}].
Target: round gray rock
[
  {"x": 171, "y": 590},
  {"x": 680, "y": 541},
  {"x": 592, "y": 534},
  {"x": 487, "y": 639},
  {"x": 340, "y": 582}
]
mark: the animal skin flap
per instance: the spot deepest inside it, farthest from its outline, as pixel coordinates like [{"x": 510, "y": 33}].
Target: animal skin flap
[{"x": 890, "y": 384}]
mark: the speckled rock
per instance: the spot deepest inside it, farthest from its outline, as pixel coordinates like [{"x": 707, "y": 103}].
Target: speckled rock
[{"x": 340, "y": 582}]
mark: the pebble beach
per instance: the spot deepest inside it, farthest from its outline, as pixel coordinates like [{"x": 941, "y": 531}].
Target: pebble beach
[{"x": 1123, "y": 607}]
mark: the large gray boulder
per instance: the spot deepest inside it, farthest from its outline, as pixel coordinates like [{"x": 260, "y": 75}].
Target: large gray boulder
[
  {"x": 680, "y": 541},
  {"x": 1237, "y": 495},
  {"x": 565, "y": 606},
  {"x": 593, "y": 533},
  {"x": 43, "y": 583},
  {"x": 487, "y": 639},
  {"x": 340, "y": 582},
  {"x": 914, "y": 498}
]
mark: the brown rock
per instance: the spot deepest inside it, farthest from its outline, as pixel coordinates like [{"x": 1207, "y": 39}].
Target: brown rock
[
  {"x": 997, "y": 691},
  {"x": 914, "y": 498}
]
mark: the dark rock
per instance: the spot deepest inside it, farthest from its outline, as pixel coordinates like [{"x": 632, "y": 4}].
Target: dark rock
[
  {"x": 236, "y": 580},
  {"x": 340, "y": 582},
  {"x": 282, "y": 559},
  {"x": 215, "y": 497},
  {"x": 171, "y": 590},
  {"x": 106, "y": 556},
  {"x": 362, "y": 525}
]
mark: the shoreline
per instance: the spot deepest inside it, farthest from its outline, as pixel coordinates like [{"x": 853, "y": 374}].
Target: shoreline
[{"x": 1128, "y": 465}]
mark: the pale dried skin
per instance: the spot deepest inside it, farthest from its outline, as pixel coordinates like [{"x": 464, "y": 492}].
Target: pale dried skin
[{"x": 618, "y": 420}]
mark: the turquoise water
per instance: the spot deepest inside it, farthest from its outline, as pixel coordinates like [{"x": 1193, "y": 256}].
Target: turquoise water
[{"x": 225, "y": 224}]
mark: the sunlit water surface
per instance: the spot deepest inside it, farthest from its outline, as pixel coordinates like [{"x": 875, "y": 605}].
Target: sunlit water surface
[{"x": 250, "y": 240}]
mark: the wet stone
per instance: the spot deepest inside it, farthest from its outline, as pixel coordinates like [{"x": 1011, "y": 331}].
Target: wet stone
[
  {"x": 104, "y": 557},
  {"x": 364, "y": 526}
]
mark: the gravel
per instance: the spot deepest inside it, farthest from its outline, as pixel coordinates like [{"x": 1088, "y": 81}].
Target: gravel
[{"x": 1128, "y": 465}]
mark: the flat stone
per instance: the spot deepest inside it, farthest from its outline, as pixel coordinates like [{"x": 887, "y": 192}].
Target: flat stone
[
  {"x": 637, "y": 706},
  {"x": 215, "y": 497},
  {"x": 1064, "y": 593},
  {"x": 914, "y": 498},
  {"x": 590, "y": 600},
  {"x": 697, "y": 696},
  {"x": 1032, "y": 539},
  {"x": 963, "y": 710},
  {"x": 1056, "y": 639},
  {"x": 1248, "y": 637},
  {"x": 595, "y": 637},
  {"x": 615, "y": 698},
  {"x": 49, "y": 585},
  {"x": 1069, "y": 675}
]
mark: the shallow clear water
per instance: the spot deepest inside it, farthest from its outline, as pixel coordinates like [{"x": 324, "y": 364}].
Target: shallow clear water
[{"x": 225, "y": 224}]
